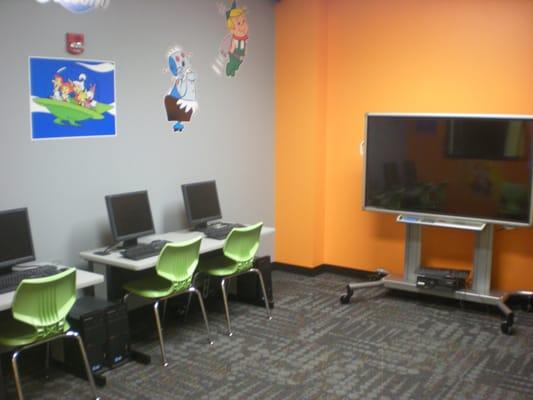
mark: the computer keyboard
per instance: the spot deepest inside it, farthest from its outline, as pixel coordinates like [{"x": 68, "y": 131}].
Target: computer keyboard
[
  {"x": 142, "y": 250},
  {"x": 10, "y": 281},
  {"x": 219, "y": 231}
]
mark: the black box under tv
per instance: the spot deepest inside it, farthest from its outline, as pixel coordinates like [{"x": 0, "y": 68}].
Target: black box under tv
[{"x": 441, "y": 278}]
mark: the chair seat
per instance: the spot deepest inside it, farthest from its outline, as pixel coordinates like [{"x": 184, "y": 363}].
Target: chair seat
[
  {"x": 152, "y": 287},
  {"x": 15, "y": 333},
  {"x": 218, "y": 266}
]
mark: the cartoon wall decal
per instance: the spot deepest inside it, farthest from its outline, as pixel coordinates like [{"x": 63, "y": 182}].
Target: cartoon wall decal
[
  {"x": 180, "y": 102},
  {"x": 79, "y": 6},
  {"x": 233, "y": 47},
  {"x": 71, "y": 98}
]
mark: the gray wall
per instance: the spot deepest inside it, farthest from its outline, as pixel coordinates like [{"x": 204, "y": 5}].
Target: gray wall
[{"x": 230, "y": 139}]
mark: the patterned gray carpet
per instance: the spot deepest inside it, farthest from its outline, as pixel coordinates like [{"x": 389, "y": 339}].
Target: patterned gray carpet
[{"x": 383, "y": 345}]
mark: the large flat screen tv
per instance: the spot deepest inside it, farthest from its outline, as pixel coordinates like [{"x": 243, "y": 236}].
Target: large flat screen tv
[{"x": 461, "y": 167}]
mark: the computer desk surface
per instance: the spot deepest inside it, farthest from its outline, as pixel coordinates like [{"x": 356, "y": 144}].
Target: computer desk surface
[
  {"x": 84, "y": 279},
  {"x": 115, "y": 259}
]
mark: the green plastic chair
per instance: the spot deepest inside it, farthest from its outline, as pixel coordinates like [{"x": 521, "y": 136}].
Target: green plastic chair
[
  {"x": 39, "y": 311},
  {"x": 175, "y": 267},
  {"x": 238, "y": 259}
]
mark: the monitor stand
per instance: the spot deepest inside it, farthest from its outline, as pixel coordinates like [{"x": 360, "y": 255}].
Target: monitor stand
[
  {"x": 199, "y": 227},
  {"x": 22, "y": 267},
  {"x": 17, "y": 267},
  {"x": 126, "y": 244},
  {"x": 479, "y": 292}
]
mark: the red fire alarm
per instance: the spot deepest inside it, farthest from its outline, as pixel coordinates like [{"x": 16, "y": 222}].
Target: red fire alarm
[{"x": 75, "y": 43}]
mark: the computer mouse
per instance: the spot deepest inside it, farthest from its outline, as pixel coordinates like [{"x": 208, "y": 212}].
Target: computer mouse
[{"x": 102, "y": 252}]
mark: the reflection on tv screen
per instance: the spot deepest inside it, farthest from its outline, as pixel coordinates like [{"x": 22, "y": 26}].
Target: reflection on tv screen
[{"x": 472, "y": 167}]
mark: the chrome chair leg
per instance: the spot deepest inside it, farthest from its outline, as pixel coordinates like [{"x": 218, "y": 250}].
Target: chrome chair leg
[
  {"x": 16, "y": 375},
  {"x": 189, "y": 299},
  {"x": 160, "y": 333},
  {"x": 264, "y": 291},
  {"x": 225, "y": 298},
  {"x": 199, "y": 295},
  {"x": 90, "y": 377}
]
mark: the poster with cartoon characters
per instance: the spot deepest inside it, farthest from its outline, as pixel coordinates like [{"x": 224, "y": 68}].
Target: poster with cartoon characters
[
  {"x": 180, "y": 102},
  {"x": 71, "y": 98},
  {"x": 232, "y": 50}
]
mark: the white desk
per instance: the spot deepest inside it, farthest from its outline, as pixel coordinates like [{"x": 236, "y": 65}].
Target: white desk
[
  {"x": 83, "y": 279},
  {"x": 118, "y": 267}
]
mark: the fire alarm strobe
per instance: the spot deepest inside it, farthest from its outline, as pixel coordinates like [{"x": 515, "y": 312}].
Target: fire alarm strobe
[{"x": 75, "y": 43}]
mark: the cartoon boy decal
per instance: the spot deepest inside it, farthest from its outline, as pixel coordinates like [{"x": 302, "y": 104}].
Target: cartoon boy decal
[{"x": 233, "y": 47}]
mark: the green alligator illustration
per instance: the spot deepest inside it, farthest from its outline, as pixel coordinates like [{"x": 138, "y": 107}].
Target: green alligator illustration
[{"x": 71, "y": 112}]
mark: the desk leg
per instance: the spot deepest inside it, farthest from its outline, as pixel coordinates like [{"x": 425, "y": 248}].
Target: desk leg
[
  {"x": 117, "y": 277},
  {"x": 3, "y": 390},
  {"x": 89, "y": 291}
]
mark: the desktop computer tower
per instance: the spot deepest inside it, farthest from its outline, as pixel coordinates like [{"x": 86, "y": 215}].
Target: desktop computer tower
[
  {"x": 88, "y": 319},
  {"x": 116, "y": 349},
  {"x": 249, "y": 287},
  {"x": 104, "y": 329}
]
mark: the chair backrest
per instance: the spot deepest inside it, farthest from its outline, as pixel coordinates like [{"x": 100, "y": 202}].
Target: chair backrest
[
  {"x": 45, "y": 302},
  {"x": 242, "y": 244},
  {"x": 177, "y": 261}
]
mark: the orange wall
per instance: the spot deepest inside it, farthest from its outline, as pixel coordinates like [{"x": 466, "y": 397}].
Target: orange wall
[
  {"x": 468, "y": 56},
  {"x": 300, "y": 168}
]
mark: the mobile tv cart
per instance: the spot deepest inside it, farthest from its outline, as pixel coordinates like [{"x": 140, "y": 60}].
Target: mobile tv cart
[{"x": 479, "y": 292}]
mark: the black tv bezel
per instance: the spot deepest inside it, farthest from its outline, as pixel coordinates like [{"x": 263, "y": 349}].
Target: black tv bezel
[
  {"x": 443, "y": 216},
  {"x": 111, "y": 215},
  {"x": 15, "y": 261},
  {"x": 193, "y": 223}
]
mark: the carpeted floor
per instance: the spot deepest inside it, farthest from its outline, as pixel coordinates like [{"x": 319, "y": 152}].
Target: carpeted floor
[{"x": 384, "y": 345}]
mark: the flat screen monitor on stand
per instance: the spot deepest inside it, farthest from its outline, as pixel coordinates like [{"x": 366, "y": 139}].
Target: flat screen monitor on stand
[
  {"x": 130, "y": 217},
  {"x": 471, "y": 168},
  {"x": 201, "y": 204},
  {"x": 16, "y": 245},
  {"x": 466, "y": 172}
]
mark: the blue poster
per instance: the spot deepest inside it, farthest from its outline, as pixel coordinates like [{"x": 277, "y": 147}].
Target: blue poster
[{"x": 72, "y": 98}]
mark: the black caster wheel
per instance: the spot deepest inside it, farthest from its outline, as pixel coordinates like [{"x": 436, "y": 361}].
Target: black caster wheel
[
  {"x": 527, "y": 305},
  {"x": 380, "y": 274},
  {"x": 506, "y": 328},
  {"x": 100, "y": 380},
  {"x": 345, "y": 299}
]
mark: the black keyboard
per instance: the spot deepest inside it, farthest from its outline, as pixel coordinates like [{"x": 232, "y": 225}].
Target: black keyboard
[
  {"x": 10, "y": 281},
  {"x": 219, "y": 231},
  {"x": 141, "y": 251}
]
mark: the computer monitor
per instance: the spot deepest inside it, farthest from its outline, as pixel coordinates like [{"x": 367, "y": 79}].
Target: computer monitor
[
  {"x": 130, "y": 216},
  {"x": 16, "y": 245},
  {"x": 201, "y": 203}
]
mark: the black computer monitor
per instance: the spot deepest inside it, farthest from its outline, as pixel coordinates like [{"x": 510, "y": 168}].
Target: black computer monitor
[
  {"x": 130, "y": 216},
  {"x": 16, "y": 245},
  {"x": 201, "y": 203}
]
